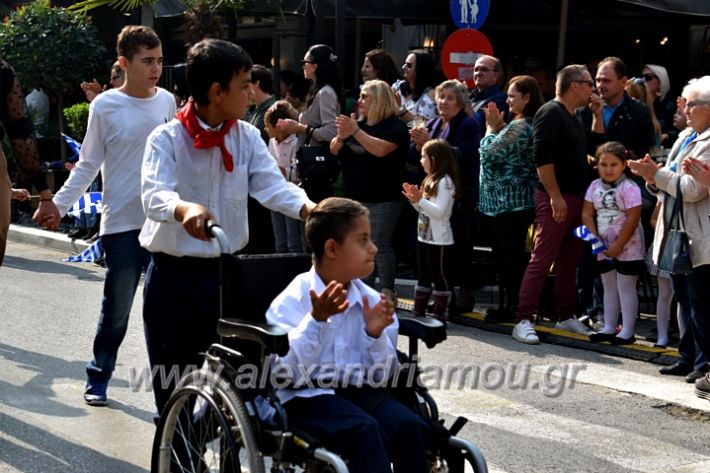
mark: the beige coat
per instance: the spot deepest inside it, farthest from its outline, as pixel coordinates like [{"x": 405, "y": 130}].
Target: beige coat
[{"x": 696, "y": 198}]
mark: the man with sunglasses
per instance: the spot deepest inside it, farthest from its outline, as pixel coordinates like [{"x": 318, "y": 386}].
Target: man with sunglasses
[{"x": 487, "y": 75}]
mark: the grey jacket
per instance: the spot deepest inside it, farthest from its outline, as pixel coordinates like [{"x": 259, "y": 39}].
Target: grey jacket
[
  {"x": 696, "y": 198},
  {"x": 321, "y": 116}
]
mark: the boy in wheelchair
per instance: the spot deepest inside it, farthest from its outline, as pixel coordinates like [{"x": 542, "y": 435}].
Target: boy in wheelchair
[{"x": 343, "y": 339}]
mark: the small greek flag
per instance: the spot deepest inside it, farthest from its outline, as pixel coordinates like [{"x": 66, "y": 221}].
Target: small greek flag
[
  {"x": 74, "y": 145},
  {"x": 89, "y": 203},
  {"x": 583, "y": 233},
  {"x": 93, "y": 253}
]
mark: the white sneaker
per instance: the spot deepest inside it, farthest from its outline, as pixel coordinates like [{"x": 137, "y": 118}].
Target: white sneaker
[
  {"x": 573, "y": 325},
  {"x": 524, "y": 332}
]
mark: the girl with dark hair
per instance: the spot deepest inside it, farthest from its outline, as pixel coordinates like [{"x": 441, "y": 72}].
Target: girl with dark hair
[
  {"x": 316, "y": 125},
  {"x": 416, "y": 91},
  {"x": 508, "y": 179},
  {"x": 378, "y": 64}
]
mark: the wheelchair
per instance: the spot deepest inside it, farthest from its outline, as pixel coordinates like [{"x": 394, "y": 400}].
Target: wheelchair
[{"x": 214, "y": 422}]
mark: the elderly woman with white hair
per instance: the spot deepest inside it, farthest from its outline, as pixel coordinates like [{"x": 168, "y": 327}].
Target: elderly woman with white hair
[
  {"x": 687, "y": 163},
  {"x": 658, "y": 86}
]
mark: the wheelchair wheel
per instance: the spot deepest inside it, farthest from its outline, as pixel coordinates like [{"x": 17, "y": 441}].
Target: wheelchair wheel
[{"x": 205, "y": 427}]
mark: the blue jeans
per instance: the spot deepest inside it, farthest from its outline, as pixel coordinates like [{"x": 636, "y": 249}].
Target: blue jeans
[
  {"x": 125, "y": 261},
  {"x": 287, "y": 233},
  {"x": 694, "y": 309},
  {"x": 384, "y": 217}
]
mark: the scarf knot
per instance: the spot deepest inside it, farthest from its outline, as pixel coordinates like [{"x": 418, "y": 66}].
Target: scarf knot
[{"x": 206, "y": 139}]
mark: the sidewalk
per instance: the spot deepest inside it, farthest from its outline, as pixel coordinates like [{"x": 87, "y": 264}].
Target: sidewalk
[{"x": 485, "y": 297}]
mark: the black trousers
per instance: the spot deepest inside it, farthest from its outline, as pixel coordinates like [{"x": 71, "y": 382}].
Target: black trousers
[
  {"x": 180, "y": 314},
  {"x": 510, "y": 230}
]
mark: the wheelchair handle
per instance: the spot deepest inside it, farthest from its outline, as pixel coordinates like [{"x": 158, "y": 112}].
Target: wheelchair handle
[{"x": 215, "y": 231}]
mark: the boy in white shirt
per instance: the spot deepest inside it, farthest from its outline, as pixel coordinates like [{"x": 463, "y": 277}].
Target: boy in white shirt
[
  {"x": 201, "y": 166},
  {"x": 119, "y": 123},
  {"x": 343, "y": 336},
  {"x": 283, "y": 147}
]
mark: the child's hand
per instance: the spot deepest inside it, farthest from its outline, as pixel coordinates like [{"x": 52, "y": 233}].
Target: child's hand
[
  {"x": 378, "y": 317},
  {"x": 412, "y": 192},
  {"x": 21, "y": 194},
  {"x": 331, "y": 301},
  {"x": 194, "y": 217},
  {"x": 614, "y": 250}
]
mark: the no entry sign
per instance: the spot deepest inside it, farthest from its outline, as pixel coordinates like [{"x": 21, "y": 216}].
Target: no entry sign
[{"x": 459, "y": 54}]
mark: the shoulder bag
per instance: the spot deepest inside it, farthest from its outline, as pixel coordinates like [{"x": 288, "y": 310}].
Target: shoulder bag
[{"x": 675, "y": 248}]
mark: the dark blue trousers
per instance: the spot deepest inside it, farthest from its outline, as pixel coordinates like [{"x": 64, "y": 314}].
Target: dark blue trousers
[
  {"x": 368, "y": 431},
  {"x": 694, "y": 307},
  {"x": 180, "y": 314}
]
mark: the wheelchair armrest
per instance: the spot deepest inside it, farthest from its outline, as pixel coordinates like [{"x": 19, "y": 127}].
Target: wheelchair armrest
[
  {"x": 271, "y": 337},
  {"x": 427, "y": 329}
]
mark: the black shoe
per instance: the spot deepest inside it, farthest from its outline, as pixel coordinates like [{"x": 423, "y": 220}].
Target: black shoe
[
  {"x": 77, "y": 233},
  {"x": 602, "y": 337},
  {"x": 676, "y": 369},
  {"x": 623, "y": 341},
  {"x": 702, "y": 387},
  {"x": 695, "y": 375},
  {"x": 503, "y": 315}
]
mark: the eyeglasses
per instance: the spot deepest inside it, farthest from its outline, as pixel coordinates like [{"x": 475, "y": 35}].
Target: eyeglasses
[
  {"x": 304, "y": 62},
  {"x": 589, "y": 82},
  {"x": 408, "y": 65},
  {"x": 483, "y": 69},
  {"x": 649, "y": 77},
  {"x": 364, "y": 96},
  {"x": 694, "y": 103}
]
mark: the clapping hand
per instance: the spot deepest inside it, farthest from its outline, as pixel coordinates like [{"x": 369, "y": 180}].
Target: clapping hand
[
  {"x": 494, "y": 118},
  {"x": 698, "y": 170},
  {"x": 332, "y": 300},
  {"x": 646, "y": 168},
  {"x": 346, "y": 126},
  {"x": 412, "y": 192},
  {"x": 377, "y": 317},
  {"x": 420, "y": 136}
]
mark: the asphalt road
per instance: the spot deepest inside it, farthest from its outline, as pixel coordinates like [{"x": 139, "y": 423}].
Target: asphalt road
[{"x": 543, "y": 408}]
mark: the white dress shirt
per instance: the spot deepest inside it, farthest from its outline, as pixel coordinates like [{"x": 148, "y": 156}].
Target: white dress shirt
[
  {"x": 116, "y": 134},
  {"x": 340, "y": 346},
  {"x": 175, "y": 172}
]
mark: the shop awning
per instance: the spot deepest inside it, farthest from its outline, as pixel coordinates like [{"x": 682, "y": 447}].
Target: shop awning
[{"x": 688, "y": 7}]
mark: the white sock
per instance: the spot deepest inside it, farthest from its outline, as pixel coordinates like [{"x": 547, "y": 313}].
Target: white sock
[
  {"x": 611, "y": 302},
  {"x": 629, "y": 303},
  {"x": 663, "y": 309}
]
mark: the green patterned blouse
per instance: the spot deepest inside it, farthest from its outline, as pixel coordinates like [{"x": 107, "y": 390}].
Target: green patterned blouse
[{"x": 508, "y": 174}]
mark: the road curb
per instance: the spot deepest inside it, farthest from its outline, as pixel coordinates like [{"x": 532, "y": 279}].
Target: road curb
[
  {"x": 54, "y": 240},
  {"x": 636, "y": 351}
]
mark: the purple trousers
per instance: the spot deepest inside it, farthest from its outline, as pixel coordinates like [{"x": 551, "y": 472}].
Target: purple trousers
[{"x": 555, "y": 243}]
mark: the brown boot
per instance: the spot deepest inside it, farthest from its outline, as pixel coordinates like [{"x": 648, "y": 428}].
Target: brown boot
[
  {"x": 421, "y": 300},
  {"x": 441, "y": 304}
]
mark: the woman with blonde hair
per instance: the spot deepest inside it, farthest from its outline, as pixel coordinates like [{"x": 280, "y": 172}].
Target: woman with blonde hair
[
  {"x": 636, "y": 89},
  {"x": 372, "y": 149}
]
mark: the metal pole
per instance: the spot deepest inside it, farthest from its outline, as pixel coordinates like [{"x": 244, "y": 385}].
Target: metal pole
[
  {"x": 562, "y": 38},
  {"x": 340, "y": 30},
  {"x": 276, "y": 53},
  {"x": 320, "y": 22}
]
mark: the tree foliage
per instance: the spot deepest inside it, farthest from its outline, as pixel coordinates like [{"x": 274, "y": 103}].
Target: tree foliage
[{"x": 51, "y": 47}]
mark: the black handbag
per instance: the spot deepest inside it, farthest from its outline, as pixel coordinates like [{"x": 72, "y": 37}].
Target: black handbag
[
  {"x": 675, "y": 249},
  {"x": 315, "y": 164}
]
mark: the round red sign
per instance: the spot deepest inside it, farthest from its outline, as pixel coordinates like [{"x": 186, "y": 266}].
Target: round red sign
[{"x": 459, "y": 54}]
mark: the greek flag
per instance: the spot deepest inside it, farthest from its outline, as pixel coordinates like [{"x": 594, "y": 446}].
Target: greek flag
[
  {"x": 74, "y": 145},
  {"x": 89, "y": 203},
  {"x": 93, "y": 253},
  {"x": 583, "y": 233}
]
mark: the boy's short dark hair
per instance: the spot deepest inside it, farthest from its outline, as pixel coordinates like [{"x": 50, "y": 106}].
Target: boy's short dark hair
[
  {"x": 334, "y": 218},
  {"x": 214, "y": 60},
  {"x": 132, "y": 37},
  {"x": 280, "y": 109},
  {"x": 263, "y": 75}
]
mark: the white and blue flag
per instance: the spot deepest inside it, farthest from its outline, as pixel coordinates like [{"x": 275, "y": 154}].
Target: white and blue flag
[
  {"x": 93, "y": 253},
  {"x": 583, "y": 233},
  {"x": 89, "y": 203},
  {"x": 74, "y": 145}
]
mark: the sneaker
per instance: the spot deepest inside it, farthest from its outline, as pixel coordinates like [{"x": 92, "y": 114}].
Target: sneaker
[
  {"x": 573, "y": 325},
  {"x": 598, "y": 323},
  {"x": 702, "y": 387},
  {"x": 524, "y": 332},
  {"x": 95, "y": 394}
]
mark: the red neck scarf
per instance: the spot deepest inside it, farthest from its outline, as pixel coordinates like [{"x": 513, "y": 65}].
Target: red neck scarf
[{"x": 205, "y": 139}]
